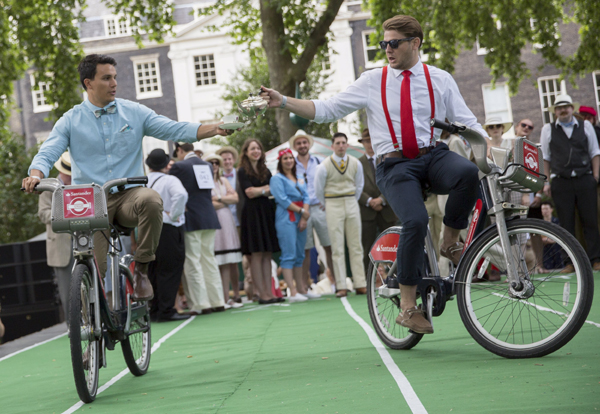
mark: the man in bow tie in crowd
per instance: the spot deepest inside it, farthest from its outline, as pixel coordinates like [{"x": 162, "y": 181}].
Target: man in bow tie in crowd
[
  {"x": 400, "y": 100},
  {"x": 104, "y": 137}
]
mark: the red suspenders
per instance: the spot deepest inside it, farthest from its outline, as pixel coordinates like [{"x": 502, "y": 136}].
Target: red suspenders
[{"x": 387, "y": 113}]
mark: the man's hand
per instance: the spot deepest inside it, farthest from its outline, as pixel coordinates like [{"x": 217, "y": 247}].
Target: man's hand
[
  {"x": 273, "y": 97},
  {"x": 537, "y": 201},
  {"x": 547, "y": 190},
  {"x": 30, "y": 182},
  {"x": 376, "y": 203}
]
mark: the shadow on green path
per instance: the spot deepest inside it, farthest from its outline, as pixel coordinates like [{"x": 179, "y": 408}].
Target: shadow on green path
[{"x": 311, "y": 357}]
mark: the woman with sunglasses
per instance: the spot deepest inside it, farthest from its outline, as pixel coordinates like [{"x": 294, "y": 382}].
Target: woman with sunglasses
[
  {"x": 291, "y": 218},
  {"x": 259, "y": 237},
  {"x": 495, "y": 128},
  {"x": 228, "y": 251}
]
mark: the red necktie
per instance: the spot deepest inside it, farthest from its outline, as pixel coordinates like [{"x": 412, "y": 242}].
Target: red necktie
[{"x": 410, "y": 148}]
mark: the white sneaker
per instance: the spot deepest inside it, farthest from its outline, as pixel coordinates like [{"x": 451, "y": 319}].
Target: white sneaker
[
  {"x": 227, "y": 306},
  {"x": 297, "y": 298},
  {"x": 232, "y": 303},
  {"x": 311, "y": 295}
]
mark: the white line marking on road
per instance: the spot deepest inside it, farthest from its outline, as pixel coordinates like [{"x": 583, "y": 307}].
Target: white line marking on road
[
  {"x": 542, "y": 308},
  {"x": 126, "y": 370},
  {"x": 406, "y": 389},
  {"x": 261, "y": 307},
  {"x": 32, "y": 346}
]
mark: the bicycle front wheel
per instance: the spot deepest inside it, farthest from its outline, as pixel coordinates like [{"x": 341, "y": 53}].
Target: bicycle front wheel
[
  {"x": 383, "y": 311},
  {"x": 137, "y": 346},
  {"x": 545, "y": 312},
  {"x": 85, "y": 348}
]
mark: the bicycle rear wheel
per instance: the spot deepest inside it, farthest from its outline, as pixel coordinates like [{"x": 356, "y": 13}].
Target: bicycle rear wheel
[
  {"x": 383, "y": 311},
  {"x": 538, "y": 319},
  {"x": 85, "y": 348},
  {"x": 137, "y": 346}
]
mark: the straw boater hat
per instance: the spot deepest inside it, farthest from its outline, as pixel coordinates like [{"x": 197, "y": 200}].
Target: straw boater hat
[
  {"x": 495, "y": 120},
  {"x": 228, "y": 149},
  {"x": 301, "y": 134},
  {"x": 210, "y": 157},
  {"x": 64, "y": 163},
  {"x": 564, "y": 100}
]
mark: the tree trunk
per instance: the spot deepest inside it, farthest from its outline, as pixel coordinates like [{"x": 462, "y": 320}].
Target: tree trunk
[{"x": 284, "y": 74}]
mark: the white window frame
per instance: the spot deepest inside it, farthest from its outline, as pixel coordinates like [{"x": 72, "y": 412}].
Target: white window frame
[
  {"x": 147, "y": 59},
  {"x": 210, "y": 76},
  {"x": 366, "y": 47},
  {"x": 119, "y": 31},
  {"x": 559, "y": 88},
  {"x": 498, "y": 85},
  {"x": 39, "y": 93},
  {"x": 595, "y": 74}
]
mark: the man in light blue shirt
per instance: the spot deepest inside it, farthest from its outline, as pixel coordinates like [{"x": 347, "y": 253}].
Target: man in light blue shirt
[{"x": 104, "y": 136}]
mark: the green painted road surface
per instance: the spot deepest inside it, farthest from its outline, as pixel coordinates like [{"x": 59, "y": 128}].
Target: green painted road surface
[{"x": 312, "y": 357}]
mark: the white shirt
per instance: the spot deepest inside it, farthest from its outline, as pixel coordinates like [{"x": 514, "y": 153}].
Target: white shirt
[
  {"x": 365, "y": 92},
  {"x": 173, "y": 194},
  {"x": 321, "y": 179},
  {"x": 588, "y": 128}
]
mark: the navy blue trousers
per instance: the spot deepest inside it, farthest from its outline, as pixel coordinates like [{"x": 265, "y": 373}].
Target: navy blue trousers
[{"x": 401, "y": 179}]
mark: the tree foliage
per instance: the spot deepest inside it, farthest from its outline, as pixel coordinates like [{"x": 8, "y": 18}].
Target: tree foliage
[
  {"x": 503, "y": 27},
  {"x": 18, "y": 211},
  {"x": 264, "y": 128},
  {"x": 294, "y": 35},
  {"x": 43, "y": 36}
]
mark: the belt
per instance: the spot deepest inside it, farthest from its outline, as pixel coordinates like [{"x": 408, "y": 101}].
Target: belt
[{"x": 399, "y": 154}]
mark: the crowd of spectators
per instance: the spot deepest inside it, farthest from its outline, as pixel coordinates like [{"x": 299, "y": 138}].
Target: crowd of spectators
[{"x": 219, "y": 219}]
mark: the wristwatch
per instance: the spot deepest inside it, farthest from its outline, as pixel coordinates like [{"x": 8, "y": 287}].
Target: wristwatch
[
  {"x": 263, "y": 192},
  {"x": 219, "y": 199},
  {"x": 301, "y": 211},
  {"x": 283, "y": 101}
]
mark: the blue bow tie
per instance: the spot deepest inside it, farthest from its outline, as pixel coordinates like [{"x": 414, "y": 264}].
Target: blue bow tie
[
  {"x": 568, "y": 124},
  {"x": 110, "y": 110}
]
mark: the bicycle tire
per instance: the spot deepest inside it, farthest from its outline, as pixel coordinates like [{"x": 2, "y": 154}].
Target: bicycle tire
[
  {"x": 553, "y": 311},
  {"x": 137, "y": 346},
  {"x": 85, "y": 349},
  {"x": 383, "y": 313}
]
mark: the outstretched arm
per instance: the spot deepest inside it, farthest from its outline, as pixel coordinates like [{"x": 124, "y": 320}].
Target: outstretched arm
[{"x": 302, "y": 107}]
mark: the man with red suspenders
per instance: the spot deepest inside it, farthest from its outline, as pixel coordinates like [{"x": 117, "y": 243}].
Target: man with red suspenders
[{"x": 400, "y": 100}]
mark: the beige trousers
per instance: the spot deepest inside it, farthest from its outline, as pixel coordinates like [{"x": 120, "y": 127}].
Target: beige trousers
[
  {"x": 201, "y": 277},
  {"x": 344, "y": 226},
  {"x": 139, "y": 207}
]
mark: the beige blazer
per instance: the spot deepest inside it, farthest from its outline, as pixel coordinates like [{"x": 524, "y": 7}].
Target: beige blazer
[{"x": 58, "y": 246}]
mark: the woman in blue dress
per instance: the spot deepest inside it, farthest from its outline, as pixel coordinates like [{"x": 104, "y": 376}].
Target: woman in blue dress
[{"x": 291, "y": 216}]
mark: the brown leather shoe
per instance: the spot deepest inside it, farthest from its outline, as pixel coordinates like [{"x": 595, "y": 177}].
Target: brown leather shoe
[
  {"x": 453, "y": 252},
  {"x": 568, "y": 269},
  {"x": 414, "y": 319},
  {"x": 361, "y": 291},
  {"x": 142, "y": 288},
  {"x": 596, "y": 266},
  {"x": 342, "y": 293}
]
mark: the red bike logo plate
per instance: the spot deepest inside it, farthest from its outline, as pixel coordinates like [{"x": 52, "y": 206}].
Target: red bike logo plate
[
  {"x": 384, "y": 249},
  {"x": 78, "y": 203},
  {"x": 530, "y": 158}
]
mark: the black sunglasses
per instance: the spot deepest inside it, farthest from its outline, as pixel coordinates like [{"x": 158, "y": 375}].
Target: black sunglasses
[
  {"x": 214, "y": 162},
  {"x": 394, "y": 43},
  {"x": 495, "y": 126},
  {"x": 526, "y": 126}
]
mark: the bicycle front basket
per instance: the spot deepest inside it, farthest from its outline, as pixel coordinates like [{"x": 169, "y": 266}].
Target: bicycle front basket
[
  {"x": 79, "y": 208},
  {"x": 526, "y": 173}
]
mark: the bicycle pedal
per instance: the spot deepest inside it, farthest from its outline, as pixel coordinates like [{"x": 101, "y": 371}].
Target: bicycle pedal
[
  {"x": 392, "y": 282},
  {"x": 388, "y": 293}
]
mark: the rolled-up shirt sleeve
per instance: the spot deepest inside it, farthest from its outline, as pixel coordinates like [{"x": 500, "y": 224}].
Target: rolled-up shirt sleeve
[{"x": 355, "y": 97}]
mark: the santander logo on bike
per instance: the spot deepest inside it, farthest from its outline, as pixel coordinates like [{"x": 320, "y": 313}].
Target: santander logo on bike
[
  {"x": 78, "y": 203},
  {"x": 382, "y": 248}
]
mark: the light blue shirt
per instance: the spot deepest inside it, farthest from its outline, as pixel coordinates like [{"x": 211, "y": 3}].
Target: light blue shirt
[
  {"x": 308, "y": 175},
  {"x": 285, "y": 192},
  {"x": 110, "y": 146}
]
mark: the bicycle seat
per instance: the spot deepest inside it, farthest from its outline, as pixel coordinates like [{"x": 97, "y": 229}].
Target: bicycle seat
[{"x": 123, "y": 231}]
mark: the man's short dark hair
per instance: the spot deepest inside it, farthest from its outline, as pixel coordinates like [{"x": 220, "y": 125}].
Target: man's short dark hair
[
  {"x": 338, "y": 135},
  {"x": 547, "y": 202},
  {"x": 87, "y": 67},
  {"x": 407, "y": 25}
]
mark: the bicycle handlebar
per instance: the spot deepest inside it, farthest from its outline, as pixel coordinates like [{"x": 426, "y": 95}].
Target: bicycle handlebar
[
  {"x": 477, "y": 141},
  {"x": 51, "y": 184}
]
